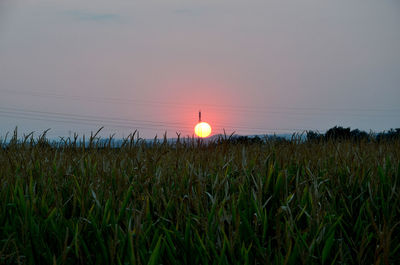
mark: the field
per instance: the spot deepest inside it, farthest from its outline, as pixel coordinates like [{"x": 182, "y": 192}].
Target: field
[{"x": 192, "y": 202}]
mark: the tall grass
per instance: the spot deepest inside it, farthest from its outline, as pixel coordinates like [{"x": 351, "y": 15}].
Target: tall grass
[{"x": 190, "y": 202}]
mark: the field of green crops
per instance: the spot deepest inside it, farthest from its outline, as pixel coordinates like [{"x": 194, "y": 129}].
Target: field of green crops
[{"x": 191, "y": 202}]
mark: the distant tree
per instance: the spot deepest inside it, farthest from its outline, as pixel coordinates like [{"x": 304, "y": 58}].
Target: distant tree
[
  {"x": 314, "y": 136},
  {"x": 338, "y": 133},
  {"x": 358, "y": 135},
  {"x": 275, "y": 138},
  {"x": 389, "y": 135},
  {"x": 246, "y": 140}
]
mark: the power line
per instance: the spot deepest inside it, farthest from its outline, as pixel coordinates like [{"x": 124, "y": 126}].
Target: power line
[
  {"x": 260, "y": 131},
  {"x": 111, "y": 120},
  {"x": 149, "y": 125},
  {"x": 27, "y": 117},
  {"x": 237, "y": 108},
  {"x": 85, "y": 120},
  {"x": 88, "y": 117},
  {"x": 155, "y": 125}
]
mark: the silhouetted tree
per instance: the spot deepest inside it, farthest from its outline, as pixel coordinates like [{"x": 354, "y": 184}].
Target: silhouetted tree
[
  {"x": 338, "y": 133},
  {"x": 358, "y": 135},
  {"x": 314, "y": 136},
  {"x": 246, "y": 140},
  {"x": 389, "y": 135}
]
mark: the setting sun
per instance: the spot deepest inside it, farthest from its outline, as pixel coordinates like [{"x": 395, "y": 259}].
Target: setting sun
[{"x": 202, "y": 129}]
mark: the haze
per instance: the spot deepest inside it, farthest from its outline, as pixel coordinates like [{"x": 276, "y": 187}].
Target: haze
[{"x": 251, "y": 66}]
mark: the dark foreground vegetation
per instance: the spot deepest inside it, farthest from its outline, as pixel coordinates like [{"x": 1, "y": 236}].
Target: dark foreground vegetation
[{"x": 325, "y": 201}]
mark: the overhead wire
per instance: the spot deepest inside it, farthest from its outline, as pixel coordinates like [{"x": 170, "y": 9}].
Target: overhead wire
[
  {"x": 156, "y": 125},
  {"x": 237, "y": 108},
  {"x": 92, "y": 118},
  {"x": 99, "y": 121}
]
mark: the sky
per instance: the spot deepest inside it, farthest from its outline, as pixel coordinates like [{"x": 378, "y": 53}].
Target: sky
[{"x": 251, "y": 67}]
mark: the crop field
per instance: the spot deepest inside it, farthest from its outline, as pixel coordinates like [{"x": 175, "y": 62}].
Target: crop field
[{"x": 195, "y": 202}]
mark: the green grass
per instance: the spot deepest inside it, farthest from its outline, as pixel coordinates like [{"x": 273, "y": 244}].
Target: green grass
[{"x": 282, "y": 202}]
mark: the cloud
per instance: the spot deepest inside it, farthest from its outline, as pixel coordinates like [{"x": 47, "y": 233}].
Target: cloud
[
  {"x": 92, "y": 16},
  {"x": 189, "y": 11}
]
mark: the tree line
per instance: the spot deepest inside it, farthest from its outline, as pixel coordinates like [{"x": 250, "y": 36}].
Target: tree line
[
  {"x": 340, "y": 133},
  {"x": 336, "y": 133}
]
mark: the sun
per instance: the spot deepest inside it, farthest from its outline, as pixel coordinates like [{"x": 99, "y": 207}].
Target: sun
[{"x": 202, "y": 129}]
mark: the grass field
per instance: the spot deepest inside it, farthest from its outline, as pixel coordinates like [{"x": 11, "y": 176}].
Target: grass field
[{"x": 279, "y": 202}]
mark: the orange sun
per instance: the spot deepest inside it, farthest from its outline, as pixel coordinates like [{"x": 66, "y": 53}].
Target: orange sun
[{"x": 202, "y": 129}]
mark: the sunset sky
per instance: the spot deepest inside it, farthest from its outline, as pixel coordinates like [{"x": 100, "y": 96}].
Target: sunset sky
[{"x": 252, "y": 67}]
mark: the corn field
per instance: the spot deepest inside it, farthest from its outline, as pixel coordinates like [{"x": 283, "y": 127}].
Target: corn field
[{"x": 196, "y": 202}]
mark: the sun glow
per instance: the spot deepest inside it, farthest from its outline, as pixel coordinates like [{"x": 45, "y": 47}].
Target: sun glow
[{"x": 202, "y": 129}]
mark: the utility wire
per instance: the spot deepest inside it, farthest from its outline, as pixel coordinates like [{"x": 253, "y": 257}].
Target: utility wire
[
  {"x": 238, "y": 108},
  {"x": 113, "y": 120},
  {"x": 149, "y": 126},
  {"x": 89, "y": 117}
]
